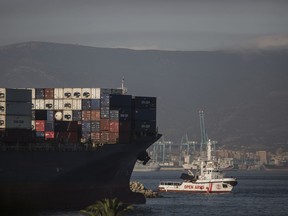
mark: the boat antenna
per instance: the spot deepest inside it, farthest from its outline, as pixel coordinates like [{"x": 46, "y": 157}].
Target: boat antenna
[{"x": 124, "y": 89}]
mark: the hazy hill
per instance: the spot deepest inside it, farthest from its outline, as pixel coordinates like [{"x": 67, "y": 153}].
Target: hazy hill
[{"x": 244, "y": 94}]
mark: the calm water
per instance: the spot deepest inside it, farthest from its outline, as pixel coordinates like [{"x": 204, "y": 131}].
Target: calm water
[{"x": 257, "y": 193}]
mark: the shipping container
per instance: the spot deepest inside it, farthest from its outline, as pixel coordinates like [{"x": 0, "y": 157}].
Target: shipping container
[
  {"x": 40, "y": 125},
  {"x": 67, "y": 93},
  {"x": 95, "y": 104},
  {"x": 86, "y": 93},
  {"x": 86, "y": 115},
  {"x": 105, "y": 100},
  {"x": 105, "y": 91},
  {"x": 114, "y": 126},
  {"x": 76, "y": 104},
  {"x": 18, "y": 108},
  {"x": 95, "y": 126},
  {"x": 49, "y": 126},
  {"x": 145, "y": 126},
  {"x": 104, "y": 137},
  {"x": 50, "y": 115},
  {"x": 67, "y": 115},
  {"x": 76, "y": 115},
  {"x": 95, "y": 115},
  {"x": 95, "y": 136},
  {"x": 41, "y": 115},
  {"x": 67, "y": 104},
  {"x": 58, "y": 104},
  {"x": 117, "y": 101},
  {"x": 125, "y": 114},
  {"x": 95, "y": 93},
  {"x": 86, "y": 126},
  {"x": 49, "y": 93},
  {"x": 105, "y": 111},
  {"x": 114, "y": 115},
  {"x": 104, "y": 125},
  {"x": 58, "y": 115},
  {"x": 39, "y": 93},
  {"x": 76, "y": 93},
  {"x": 2, "y": 121},
  {"x": 49, "y": 135},
  {"x": 144, "y": 102},
  {"x": 40, "y": 134},
  {"x": 39, "y": 104},
  {"x": 58, "y": 93},
  {"x": 2, "y": 107},
  {"x": 33, "y": 105},
  {"x": 33, "y": 95},
  {"x": 113, "y": 137},
  {"x": 16, "y": 95},
  {"x": 145, "y": 114},
  {"x": 33, "y": 126},
  {"x": 18, "y": 122},
  {"x": 49, "y": 104},
  {"x": 86, "y": 104}
]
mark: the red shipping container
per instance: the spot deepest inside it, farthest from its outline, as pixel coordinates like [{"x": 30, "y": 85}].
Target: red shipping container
[
  {"x": 40, "y": 125},
  {"x": 49, "y": 93},
  {"x": 114, "y": 137},
  {"x": 114, "y": 126},
  {"x": 86, "y": 115},
  {"x": 104, "y": 125},
  {"x": 49, "y": 135},
  {"x": 95, "y": 115}
]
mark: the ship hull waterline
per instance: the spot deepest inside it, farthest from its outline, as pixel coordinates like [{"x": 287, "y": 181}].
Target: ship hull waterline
[{"x": 69, "y": 180}]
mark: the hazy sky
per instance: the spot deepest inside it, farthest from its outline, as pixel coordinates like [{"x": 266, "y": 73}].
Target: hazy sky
[{"x": 147, "y": 24}]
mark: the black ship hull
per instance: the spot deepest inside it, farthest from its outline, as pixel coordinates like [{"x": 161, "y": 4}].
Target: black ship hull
[{"x": 48, "y": 180}]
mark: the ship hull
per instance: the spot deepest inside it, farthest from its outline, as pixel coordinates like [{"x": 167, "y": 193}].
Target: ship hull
[
  {"x": 49, "y": 180},
  {"x": 208, "y": 186}
]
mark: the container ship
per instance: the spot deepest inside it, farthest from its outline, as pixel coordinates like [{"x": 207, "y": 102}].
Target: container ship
[{"x": 65, "y": 148}]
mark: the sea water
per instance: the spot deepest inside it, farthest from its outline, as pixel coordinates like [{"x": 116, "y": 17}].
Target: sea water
[{"x": 258, "y": 193}]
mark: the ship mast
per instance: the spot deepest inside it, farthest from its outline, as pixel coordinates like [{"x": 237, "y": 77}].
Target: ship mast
[{"x": 124, "y": 89}]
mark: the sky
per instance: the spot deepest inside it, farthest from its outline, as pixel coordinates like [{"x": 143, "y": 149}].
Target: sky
[{"x": 147, "y": 24}]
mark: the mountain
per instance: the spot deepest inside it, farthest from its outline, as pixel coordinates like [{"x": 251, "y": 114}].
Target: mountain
[{"x": 244, "y": 94}]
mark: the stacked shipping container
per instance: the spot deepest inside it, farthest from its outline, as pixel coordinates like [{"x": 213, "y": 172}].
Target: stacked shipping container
[
  {"x": 72, "y": 115},
  {"x": 15, "y": 115}
]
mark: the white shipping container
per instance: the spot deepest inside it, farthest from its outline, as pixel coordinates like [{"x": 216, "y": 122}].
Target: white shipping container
[
  {"x": 18, "y": 122},
  {"x": 76, "y": 93},
  {"x": 33, "y": 104},
  {"x": 67, "y": 104},
  {"x": 95, "y": 93},
  {"x": 19, "y": 108},
  {"x": 19, "y": 95},
  {"x": 58, "y": 93},
  {"x": 33, "y": 125},
  {"x": 32, "y": 92},
  {"x": 49, "y": 104},
  {"x": 58, "y": 104},
  {"x": 67, "y": 115},
  {"x": 2, "y": 107},
  {"x": 86, "y": 93},
  {"x": 2, "y": 121},
  {"x": 67, "y": 93},
  {"x": 76, "y": 104},
  {"x": 39, "y": 104}
]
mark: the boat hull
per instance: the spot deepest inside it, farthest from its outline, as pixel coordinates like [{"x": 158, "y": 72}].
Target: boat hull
[
  {"x": 212, "y": 186},
  {"x": 43, "y": 180}
]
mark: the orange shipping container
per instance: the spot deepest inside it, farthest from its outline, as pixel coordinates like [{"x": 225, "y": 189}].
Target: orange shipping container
[
  {"x": 104, "y": 137},
  {"x": 40, "y": 125},
  {"x": 114, "y": 126},
  {"x": 86, "y": 115},
  {"x": 49, "y": 93},
  {"x": 114, "y": 137},
  {"x": 95, "y": 136},
  {"x": 95, "y": 115}
]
